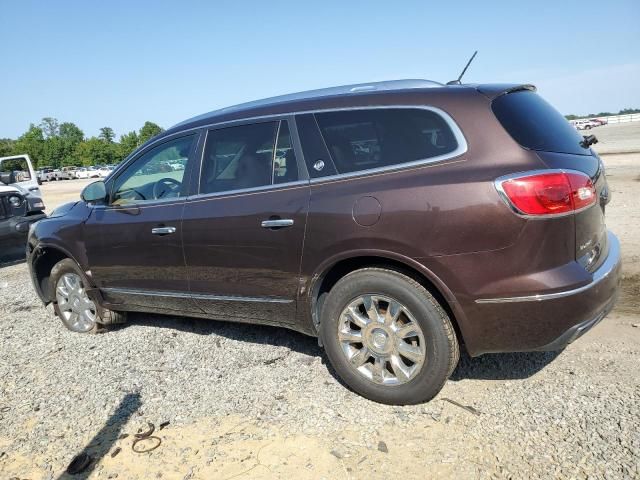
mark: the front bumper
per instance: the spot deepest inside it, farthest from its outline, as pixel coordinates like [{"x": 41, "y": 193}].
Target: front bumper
[{"x": 545, "y": 321}]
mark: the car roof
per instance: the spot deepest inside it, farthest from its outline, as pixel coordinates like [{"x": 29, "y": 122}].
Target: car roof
[{"x": 386, "y": 92}]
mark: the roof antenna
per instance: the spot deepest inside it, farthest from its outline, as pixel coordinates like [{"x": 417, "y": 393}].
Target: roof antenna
[{"x": 457, "y": 82}]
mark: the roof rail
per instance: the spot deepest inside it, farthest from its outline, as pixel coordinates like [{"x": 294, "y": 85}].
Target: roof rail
[{"x": 325, "y": 92}]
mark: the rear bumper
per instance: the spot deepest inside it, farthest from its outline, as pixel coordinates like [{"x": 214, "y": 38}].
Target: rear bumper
[
  {"x": 578, "y": 330},
  {"x": 544, "y": 320}
]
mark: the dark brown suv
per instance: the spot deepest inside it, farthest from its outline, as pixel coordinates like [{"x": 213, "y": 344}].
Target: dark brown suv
[{"x": 393, "y": 220}]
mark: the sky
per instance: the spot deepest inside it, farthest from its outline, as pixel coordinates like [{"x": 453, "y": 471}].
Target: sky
[{"x": 120, "y": 63}]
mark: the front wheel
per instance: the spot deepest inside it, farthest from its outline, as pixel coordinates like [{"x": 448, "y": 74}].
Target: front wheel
[
  {"x": 73, "y": 306},
  {"x": 387, "y": 337}
]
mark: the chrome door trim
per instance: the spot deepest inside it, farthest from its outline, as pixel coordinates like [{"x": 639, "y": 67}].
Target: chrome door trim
[{"x": 196, "y": 296}]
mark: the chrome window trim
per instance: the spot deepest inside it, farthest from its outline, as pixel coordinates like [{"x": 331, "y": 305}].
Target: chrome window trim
[
  {"x": 530, "y": 173},
  {"x": 167, "y": 202},
  {"x": 283, "y": 115},
  {"x": 457, "y": 132},
  {"x": 199, "y": 197},
  {"x": 609, "y": 265},
  {"x": 197, "y": 296},
  {"x": 460, "y": 150}
]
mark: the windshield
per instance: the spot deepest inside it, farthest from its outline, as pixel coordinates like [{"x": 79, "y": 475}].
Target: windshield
[{"x": 536, "y": 125}]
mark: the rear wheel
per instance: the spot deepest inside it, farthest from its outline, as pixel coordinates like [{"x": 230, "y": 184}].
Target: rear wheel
[
  {"x": 72, "y": 305},
  {"x": 387, "y": 337}
]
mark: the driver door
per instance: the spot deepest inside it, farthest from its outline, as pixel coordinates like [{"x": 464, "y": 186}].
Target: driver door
[{"x": 134, "y": 242}]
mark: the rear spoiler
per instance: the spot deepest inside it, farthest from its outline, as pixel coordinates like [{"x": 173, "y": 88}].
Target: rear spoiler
[{"x": 493, "y": 91}]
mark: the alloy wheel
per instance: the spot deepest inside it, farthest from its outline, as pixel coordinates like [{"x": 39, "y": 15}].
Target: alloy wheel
[
  {"x": 381, "y": 340},
  {"x": 77, "y": 310}
]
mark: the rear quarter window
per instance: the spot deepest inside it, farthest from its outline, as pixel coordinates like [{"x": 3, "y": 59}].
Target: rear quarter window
[
  {"x": 373, "y": 138},
  {"x": 536, "y": 125}
]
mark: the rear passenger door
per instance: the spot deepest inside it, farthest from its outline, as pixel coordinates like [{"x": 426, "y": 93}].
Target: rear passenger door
[{"x": 243, "y": 229}]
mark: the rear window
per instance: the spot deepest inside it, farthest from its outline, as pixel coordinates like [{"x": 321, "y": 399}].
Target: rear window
[
  {"x": 536, "y": 125},
  {"x": 374, "y": 138}
]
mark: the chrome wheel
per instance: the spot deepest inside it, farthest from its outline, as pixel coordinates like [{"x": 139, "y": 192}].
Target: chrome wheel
[
  {"x": 76, "y": 309},
  {"x": 381, "y": 340}
]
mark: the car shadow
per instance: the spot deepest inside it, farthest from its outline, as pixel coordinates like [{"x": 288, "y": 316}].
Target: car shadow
[
  {"x": 85, "y": 461},
  {"x": 244, "y": 332},
  {"x": 494, "y": 366},
  {"x": 502, "y": 366}
]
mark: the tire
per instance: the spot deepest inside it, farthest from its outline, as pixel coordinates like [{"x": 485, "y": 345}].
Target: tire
[
  {"x": 71, "y": 303},
  {"x": 398, "y": 320}
]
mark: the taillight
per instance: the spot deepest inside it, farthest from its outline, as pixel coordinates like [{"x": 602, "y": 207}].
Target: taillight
[{"x": 548, "y": 193}]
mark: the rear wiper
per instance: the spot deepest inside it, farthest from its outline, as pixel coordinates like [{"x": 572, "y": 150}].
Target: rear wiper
[{"x": 588, "y": 141}]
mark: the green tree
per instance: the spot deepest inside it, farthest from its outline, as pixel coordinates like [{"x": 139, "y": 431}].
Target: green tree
[
  {"x": 32, "y": 143},
  {"x": 6, "y": 147},
  {"x": 148, "y": 131},
  {"x": 95, "y": 151},
  {"x": 128, "y": 143},
  {"x": 107, "y": 134},
  {"x": 50, "y": 127},
  {"x": 71, "y": 133},
  {"x": 53, "y": 152}
]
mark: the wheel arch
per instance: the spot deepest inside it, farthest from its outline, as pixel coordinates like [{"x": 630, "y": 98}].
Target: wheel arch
[
  {"x": 44, "y": 259},
  {"x": 329, "y": 274}
]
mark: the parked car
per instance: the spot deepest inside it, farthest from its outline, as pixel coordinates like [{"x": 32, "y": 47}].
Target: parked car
[
  {"x": 585, "y": 124},
  {"x": 473, "y": 217},
  {"x": 82, "y": 173},
  {"x": 20, "y": 174},
  {"x": 104, "y": 172},
  {"x": 43, "y": 174},
  {"x": 65, "y": 173},
  {"x": 599, "y": 121},
  {"x": 15, "y": 220}
]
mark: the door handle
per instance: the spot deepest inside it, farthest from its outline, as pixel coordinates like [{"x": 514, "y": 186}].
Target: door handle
[
  {"x": 163, "y": 230},
  {"x": 277, "y": 223}
]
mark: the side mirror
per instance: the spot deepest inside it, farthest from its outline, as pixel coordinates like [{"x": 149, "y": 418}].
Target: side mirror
[
  {"x": 7, "y": 178},
  {"x": 94, "y": 192}
]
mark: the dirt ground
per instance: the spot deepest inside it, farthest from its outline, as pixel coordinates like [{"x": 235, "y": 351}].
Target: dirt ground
[{"x": 449, "y": 446}]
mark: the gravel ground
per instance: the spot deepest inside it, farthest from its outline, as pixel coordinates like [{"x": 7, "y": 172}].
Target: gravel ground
[
  {"x": 616, "y": 138},
  {"x": 261, "y": 402}
]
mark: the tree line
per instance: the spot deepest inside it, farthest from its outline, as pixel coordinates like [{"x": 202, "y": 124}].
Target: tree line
[
  {"x": 55, "y": 144},
  {"x": 624, "y": 111}
]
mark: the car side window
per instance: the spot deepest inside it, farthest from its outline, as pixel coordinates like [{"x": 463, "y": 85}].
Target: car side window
[
  {"x": 248, "y": 156},
  {"x": 156, "y": 175},
  {"x": 18, "y": 166},
  {"x": 374, "y": 138}
]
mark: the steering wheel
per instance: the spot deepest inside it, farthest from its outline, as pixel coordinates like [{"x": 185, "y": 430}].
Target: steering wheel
[{"x": 164, "y": 186}]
